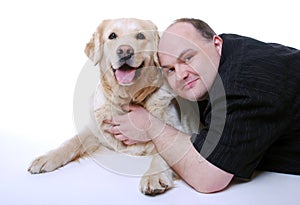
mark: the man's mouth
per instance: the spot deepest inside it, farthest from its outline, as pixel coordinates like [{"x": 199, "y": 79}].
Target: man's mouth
[
  {"x": 127, "y": 74},
  {"x": 190, "y": 83}
]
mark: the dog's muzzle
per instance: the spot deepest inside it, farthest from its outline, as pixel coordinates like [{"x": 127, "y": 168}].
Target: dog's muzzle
[
  {"x": 127, "y": 74},
  {"x": 125, "y": 52}
]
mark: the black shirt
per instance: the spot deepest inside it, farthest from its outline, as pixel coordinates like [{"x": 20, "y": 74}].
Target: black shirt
[{"x": 252, "y": 121}]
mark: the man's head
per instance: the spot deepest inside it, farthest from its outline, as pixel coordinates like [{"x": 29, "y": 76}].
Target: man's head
[{"x": 189, "y": 53}]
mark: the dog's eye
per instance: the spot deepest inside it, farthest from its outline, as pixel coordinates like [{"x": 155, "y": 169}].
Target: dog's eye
[
  {"x": 140, "y": 36},
  {"x": 112, "y": 36}
]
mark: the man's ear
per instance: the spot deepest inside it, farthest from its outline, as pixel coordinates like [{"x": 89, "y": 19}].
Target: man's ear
[
  {"x": 93, "y": 48},
  {"x": 218, "y": 42}
]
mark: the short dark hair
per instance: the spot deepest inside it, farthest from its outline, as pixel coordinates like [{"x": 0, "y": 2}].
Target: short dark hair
[{"x": 205, "y": 30}]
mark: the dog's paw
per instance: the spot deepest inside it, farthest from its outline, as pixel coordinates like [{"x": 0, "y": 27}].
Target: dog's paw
[
  {"x": 156, "y": 183},
  {"x": 45, "y": 163}
]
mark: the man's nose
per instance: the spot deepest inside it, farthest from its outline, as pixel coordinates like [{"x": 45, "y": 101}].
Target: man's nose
[{"x": 181, "y": 72}]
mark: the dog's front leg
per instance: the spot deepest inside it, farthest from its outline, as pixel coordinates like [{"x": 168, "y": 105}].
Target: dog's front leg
[
  {"x": 158, "y": 178},
  {"x": 83, "y": 143}
]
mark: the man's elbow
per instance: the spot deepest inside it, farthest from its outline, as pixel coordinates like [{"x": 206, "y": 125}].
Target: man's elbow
[{"x": 208, "y": 188}]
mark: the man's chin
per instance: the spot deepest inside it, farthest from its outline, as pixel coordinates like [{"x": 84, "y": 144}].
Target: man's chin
[{"x": 194, "y": 96}]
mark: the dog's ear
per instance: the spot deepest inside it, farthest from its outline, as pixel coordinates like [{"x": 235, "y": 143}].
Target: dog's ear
[
  {"x": 156, "y": 61},
  {"x": 156, "y": 40},
  {"x": 93, "y": 48}
]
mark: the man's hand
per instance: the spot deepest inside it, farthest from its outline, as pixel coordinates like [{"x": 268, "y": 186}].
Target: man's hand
[{"x": 138, "y": 125}]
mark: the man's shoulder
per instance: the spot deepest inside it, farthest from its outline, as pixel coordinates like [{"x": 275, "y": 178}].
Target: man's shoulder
[
  {"x": 255, "y": 65},
  {"x": 234, "y": 44}
]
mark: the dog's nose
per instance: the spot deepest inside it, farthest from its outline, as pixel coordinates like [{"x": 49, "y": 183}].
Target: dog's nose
[{"x": 125, "y": 52}]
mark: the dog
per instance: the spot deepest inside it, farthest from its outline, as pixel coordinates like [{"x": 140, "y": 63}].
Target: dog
[{"x": 125, "y": 50}]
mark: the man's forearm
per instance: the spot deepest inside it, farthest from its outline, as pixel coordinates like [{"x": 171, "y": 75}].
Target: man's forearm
[
  {"x": 172, "y": 144},
  {"x": 178, "y": 151}
]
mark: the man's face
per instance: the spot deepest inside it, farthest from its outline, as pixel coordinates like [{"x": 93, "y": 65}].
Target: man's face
[{"x": 189, "y": 61}]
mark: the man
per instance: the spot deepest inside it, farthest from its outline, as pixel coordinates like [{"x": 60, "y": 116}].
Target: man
[{"x": 248, "y": 93}]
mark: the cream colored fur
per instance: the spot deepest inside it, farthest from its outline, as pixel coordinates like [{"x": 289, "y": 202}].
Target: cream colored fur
[{"x": 148, "y": 90}]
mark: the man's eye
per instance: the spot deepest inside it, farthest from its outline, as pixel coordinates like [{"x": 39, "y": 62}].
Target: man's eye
[
  {"x": 170, "y": 70},
  {"x": 187, "y": 59}
]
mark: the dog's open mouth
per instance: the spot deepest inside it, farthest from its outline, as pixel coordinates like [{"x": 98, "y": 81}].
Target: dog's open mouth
[{"x": 127, "y": 74}]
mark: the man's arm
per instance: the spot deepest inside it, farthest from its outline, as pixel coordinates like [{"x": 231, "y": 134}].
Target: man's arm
[
  {"x": 174, "y": 146},
  {"x": 178, "y": 151}
]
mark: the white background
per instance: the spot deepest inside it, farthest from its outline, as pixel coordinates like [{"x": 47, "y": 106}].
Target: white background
[{"x": 41, "y": 56}]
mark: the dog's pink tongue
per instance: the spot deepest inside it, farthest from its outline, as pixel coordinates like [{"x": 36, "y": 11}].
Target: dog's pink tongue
[{"x": 125, "y": 76}]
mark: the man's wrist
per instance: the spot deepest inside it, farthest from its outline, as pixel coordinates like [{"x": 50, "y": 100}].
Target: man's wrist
[
  {"x": 172, "y": 144},
  {"x": 156, "y": 128}
]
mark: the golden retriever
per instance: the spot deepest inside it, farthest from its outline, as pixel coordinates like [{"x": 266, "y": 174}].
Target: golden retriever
[{"x": 126, "y": 52}]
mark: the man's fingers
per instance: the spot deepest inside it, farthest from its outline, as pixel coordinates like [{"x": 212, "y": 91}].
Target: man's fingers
[
  {"x": 130, "y": 142},
  {"x": 111, "y": 122},
  {"x": 129, "y": 107},
  {"x": 113, "y": 130},
  {"x": 120, "y": 137}
]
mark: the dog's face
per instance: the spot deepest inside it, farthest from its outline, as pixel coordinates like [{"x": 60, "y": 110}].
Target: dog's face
[{"x": 124, "y": 48}]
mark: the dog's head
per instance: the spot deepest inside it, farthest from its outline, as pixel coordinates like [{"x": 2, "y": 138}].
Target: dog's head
[{"x": 124, "y": 49}]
